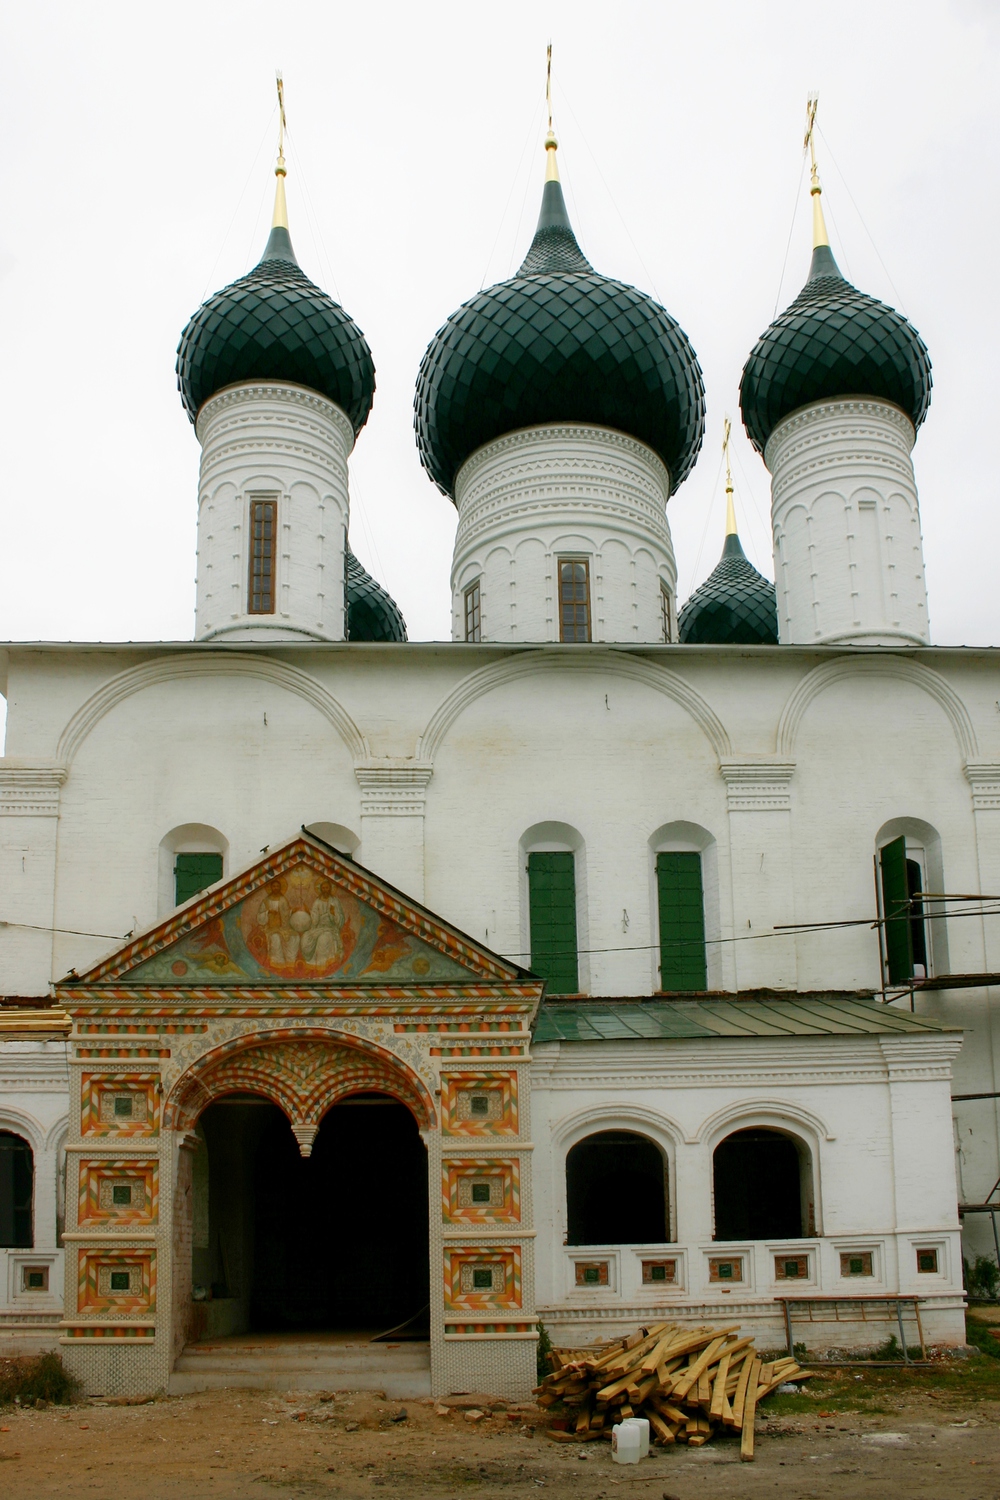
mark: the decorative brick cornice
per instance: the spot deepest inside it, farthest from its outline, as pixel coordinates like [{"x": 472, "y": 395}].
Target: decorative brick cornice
[
  {"x": 393, "y": 788},
  {"x": 758, "y": 785},
  {"x": 30, "y": 791},
  {"x": 984, "y": 778}
]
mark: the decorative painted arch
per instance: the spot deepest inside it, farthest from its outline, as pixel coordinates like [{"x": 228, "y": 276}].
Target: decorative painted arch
[
  {"x": 303, "y": 1072},
  {"x": 660, "y": 679},
  {"x": 899, "y": 667},
  {"x": 204, "y": 664}
]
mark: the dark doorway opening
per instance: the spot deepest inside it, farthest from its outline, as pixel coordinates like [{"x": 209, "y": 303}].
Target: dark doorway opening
[
  {"x": 336, "y": 1240},
  {"x": 616, "y": 1191},
  {"x": 17, "y": 1180},
  {"x": 758, "y": 1187}
]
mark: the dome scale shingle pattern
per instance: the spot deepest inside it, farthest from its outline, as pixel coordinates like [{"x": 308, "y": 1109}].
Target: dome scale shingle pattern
[
  {"x": 735, "y": 606},
  {"x": 276, "y": 324},
  {"x": 833, "y": 341},
  {"x": 558, "y": 343},
  {"x": 372, "y": 613}
]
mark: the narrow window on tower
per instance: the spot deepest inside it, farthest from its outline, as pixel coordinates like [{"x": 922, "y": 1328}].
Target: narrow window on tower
[
  {"x": 263, "y": 556},
  {"x": 682, "y": 921},
  {"x": 473, "y": 613},
  {"x": 665, "y": 614},
  {"x": 574, "y": 599},
  {"x": 552, "y": 917}
]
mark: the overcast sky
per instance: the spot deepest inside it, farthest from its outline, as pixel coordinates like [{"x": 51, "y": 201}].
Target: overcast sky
[{"x": 140, "y": 143}]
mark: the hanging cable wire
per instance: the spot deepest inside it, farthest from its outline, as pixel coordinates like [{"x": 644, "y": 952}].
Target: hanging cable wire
[
  {"x": 791, "y": 231},
  {"x": 532, "y": 131},
  {"x": 895, "y": 289},
  {"x": 268, "y": 128}
]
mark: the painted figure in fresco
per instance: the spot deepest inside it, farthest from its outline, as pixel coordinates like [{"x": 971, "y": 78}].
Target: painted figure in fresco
[
  {"x": 322, "y": 942},
  {"x": 275, "y": 916}
]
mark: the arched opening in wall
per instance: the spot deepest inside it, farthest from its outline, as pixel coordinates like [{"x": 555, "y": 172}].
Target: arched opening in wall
[
  {"x": 911, "y": 877},
  {"x": 684, "y": 870},
  {"x": 337, "y": 836},
  {"x": 17, "y": 1180},
  {"x": 616, "y": 1190},
  {"x": 554, "y": 906},
  {"x": 192, "y": 857},
  {"x": 762, "y": 1186},
  {"x": 335, "y": 1240}
]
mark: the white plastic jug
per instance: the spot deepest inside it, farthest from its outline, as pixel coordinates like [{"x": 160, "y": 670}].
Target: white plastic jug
[
  {"x": 643, "y": 1427},
  {"x": 626, "y": 1441}
]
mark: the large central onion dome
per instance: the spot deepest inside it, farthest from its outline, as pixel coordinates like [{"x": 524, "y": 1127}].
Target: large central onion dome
[
  {"x": 558, "y": 343},
  {"x": 833, "y": 341},
  {"x": 276, "y": 324}
]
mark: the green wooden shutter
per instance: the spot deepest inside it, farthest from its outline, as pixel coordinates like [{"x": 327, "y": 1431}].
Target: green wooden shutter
[
  {"x": 682, "y": 922},
  {"x": 896, "y": 911},
  {"x": 552, "y": 913},
  {"x": 193, "y": 872}
]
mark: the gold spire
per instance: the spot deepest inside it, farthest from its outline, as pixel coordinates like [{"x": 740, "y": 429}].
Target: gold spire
[
  {"x": 551, "y": 144},
  {"x": 279, "y": 219},
  {"x": 820, "y": 236},
  {"x": 730, "y": 509}
]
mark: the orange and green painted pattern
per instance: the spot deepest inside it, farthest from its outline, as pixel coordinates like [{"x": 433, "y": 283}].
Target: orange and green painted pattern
[
  {"x": 507, "y": 1258},
  {"x": 99, "y": 1088},
  {"x": 99, "y": 1178},
  {"x": 505, "y": 1173},
  {"x": 139, "y": 1265},
  {"x": 501, "y": 1089}
]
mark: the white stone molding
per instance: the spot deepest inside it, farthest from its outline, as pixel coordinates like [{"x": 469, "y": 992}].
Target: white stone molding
[
  {"x": 848, "y": 552},
  {"x": 29, "y": 790},
  {"x": 758, "y": 785},
  {"x": 901, "y": 668},
  {"x": 984, "y": 779},
  {"x": 564, "y": 490},
  {"x": 613, "y": 665},
  {"x": 747, "y": 1113},
  {"x": 206, "y": 664},
  {"x": 393, "y": 788},
  {"x": 919, "y": 1059},
  {"x": 290, "y": 444},
  {"x": 393, "y": 800}
]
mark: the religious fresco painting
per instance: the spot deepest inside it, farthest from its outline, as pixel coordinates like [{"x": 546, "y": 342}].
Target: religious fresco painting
[{"x": 300, "y": 926}]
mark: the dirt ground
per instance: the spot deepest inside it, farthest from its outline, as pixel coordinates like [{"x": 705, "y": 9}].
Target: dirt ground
[{"x": 864, "y": 1434}]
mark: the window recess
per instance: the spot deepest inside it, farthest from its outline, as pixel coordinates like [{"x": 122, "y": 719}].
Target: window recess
[
  {"x": 907, "y": 949},
  {"x": 682, "y": 921},
  {"x": 263, "y": 556},
  {"x": 574, "y": 599},
  {"x": 193, "y": 873},
  {"x": 552, "y": 917}
]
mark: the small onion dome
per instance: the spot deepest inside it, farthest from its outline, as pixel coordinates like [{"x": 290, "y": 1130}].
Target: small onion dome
[
  {"x": 735, "y": 606},
  {"x": 275, "y": 324},
  {"x": 558, "y": 343},
  {"x": 833, "y": 341},
  {"x": 372, "y": 614}
]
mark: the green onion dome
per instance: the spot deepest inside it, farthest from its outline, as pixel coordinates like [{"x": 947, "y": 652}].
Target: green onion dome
[
  {"x": 275, "y": 324},
  {"x": 833, "y": 341},
  {"x": 735, "y": 606},
  {"x": 372, "y": 614},
  {"x": 558, "y": 343}
]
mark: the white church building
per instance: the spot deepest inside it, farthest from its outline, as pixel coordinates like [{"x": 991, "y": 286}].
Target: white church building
[{"x": 603, "y": 964}]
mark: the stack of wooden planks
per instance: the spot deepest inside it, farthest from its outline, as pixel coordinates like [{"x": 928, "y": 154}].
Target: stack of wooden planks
[{"x": 687, "y": 1382}]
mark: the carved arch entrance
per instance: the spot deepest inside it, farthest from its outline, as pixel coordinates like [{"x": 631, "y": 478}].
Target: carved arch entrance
[{"x": 304, "y": 1072}]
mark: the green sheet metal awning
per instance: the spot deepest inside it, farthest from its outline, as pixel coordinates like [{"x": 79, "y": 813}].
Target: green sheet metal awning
[{"x": 679, "y": 1020}]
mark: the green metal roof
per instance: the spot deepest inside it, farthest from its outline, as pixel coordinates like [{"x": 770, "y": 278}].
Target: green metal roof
[
  {"x": 275, "y": 324},
  {"x": 833, "y": 341},
  {"x": 682, "y": 1020},
  {"x": 734, "y": 606},
  {"x": 372, "y": 613},
  {"x": 558, "y": 343}
]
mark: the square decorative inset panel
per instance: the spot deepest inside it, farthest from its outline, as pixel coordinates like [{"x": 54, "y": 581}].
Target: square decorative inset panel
[
  {"x": 118, "y": 1191},
  {"x": 120, "y": 1104},
  {"x": 856, "y": 1263},
  {"x": 927, "y": 1262},
  {"x": 592, "y": 1273},
  {"x": 34, "y": 1278},
  {"x": 791, "y": 1267},
  {"x": 659, "y": 1272},
  {"x": 725, "y": 1268},
  {"x": 479, "y": 1103},
  {"x": 481, "y": 1192},
  {"x": 117, "y": 1281},
  {"x": 477, "y": 1280}
]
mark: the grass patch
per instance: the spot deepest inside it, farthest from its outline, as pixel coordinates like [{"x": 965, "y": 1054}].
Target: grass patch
[
  {"x": 28, "y": 1379},
  {"x": 984, "y": 1336}
]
